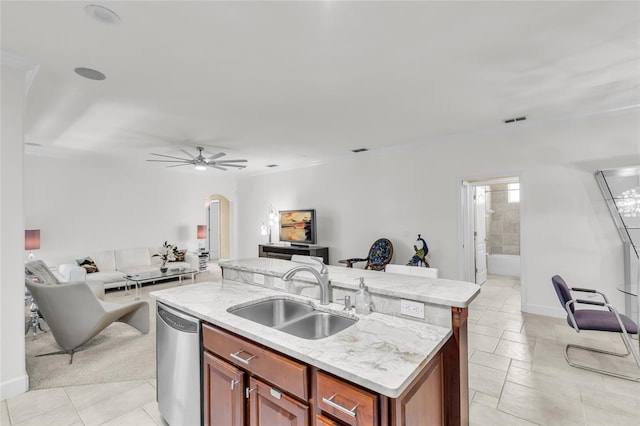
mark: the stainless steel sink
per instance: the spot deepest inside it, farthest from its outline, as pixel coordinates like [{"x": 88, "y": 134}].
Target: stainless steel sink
[
  {"x": 317, "y": 325},
  {"x": 273, "y": 312},
  {"x": 296, "y": 318}
]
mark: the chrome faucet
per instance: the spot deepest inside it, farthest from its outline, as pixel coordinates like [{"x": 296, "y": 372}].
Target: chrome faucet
[{"x": 322, "y": 277}]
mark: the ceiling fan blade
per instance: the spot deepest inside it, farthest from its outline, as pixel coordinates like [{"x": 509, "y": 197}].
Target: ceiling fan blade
[
  {"x": 169, "y": 156},
  {"x": 239, "y": 166},
  {"x": 231, "y": 161},
  {"x": 190, "y": 155},
  {"x": 179, "y": 165},
  {"x": 171, "y": 161},
  {"x": 217, "y": 167},
  {"x": 218, "y": 155}
]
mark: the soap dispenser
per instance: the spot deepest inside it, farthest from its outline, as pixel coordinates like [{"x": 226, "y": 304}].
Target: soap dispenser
[{"x": 363, "y": 299}]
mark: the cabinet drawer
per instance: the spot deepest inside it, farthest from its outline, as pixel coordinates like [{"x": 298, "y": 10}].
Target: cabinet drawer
[
  {"x": 346, "y": 402},
  {"x": 290, "y": 376}
]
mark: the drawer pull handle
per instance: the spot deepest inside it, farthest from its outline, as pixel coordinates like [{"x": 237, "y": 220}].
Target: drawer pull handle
[
  {"x": 351, "y": 413},
  {"x": 237, "y": 357}
]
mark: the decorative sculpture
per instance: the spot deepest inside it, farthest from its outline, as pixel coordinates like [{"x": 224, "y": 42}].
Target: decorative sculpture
[{"x": 420, "y": 258}]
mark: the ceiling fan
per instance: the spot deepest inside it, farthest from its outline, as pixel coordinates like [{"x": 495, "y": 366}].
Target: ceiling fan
[{"x": 201, "y": 162}]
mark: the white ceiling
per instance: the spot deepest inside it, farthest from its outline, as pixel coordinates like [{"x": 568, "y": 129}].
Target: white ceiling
[{"x": 291, "y": 83}]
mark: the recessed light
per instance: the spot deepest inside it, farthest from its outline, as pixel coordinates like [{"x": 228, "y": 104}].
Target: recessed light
[
  {"x": 359, "y": 150},
  {"x": 102, "y": 14},
  {"x": 90, "y": 73}
]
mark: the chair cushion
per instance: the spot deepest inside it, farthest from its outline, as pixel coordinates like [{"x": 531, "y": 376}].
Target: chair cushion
[{"x": 591, "y": 319}]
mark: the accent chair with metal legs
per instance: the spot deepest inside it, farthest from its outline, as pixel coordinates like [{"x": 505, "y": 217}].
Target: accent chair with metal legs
[
  {"x": 74, "y": 314},
  {"x": 598, "y": 320}
]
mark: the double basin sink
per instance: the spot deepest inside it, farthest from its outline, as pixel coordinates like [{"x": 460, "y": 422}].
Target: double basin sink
[{"x": 294, "y": 317}]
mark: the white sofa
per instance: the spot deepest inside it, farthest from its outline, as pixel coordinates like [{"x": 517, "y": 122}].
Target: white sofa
[{"x": 113, "y": 265}]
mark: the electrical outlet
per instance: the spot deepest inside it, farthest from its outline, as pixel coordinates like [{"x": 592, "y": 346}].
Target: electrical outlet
[
  {"x": 279, "y": 283},
  {"x": 258, "y": 278},
  {"x": 411, "y": 308}
]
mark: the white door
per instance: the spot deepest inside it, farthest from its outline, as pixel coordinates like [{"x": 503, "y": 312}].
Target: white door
[
  {"x": 214, "y": 230},
  {"x": 480, "y": 235}
]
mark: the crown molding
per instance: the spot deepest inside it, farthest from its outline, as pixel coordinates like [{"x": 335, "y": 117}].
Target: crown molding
[{"x": 19, "y": 62}]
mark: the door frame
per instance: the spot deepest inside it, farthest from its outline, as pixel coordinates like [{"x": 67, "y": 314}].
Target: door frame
[{"x": 466, "y": 251}]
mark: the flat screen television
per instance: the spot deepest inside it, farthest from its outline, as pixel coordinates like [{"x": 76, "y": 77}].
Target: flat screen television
[{"x": 298, "y": 226}]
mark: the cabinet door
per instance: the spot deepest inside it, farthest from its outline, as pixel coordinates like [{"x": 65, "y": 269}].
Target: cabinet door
[
  {"x": 223, "y": 393},
  {"x": 423, "y": 402},
  {"x": 325, "y": 421},
  {"x": 269, "y": 407}
]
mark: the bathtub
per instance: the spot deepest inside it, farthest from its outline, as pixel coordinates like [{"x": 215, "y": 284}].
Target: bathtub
[{"x": 503, "y": 264}]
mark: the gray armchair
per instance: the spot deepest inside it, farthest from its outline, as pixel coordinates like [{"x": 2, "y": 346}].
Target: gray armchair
[{"x": 75, "y": 315}]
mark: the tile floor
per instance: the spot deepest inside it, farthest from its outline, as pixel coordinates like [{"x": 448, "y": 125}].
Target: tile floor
[{"x": 517, "y": 376}]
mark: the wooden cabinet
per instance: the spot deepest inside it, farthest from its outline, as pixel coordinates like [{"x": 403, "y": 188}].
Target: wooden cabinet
[
  {"x": 248, "y": 384},
  {"x": 224, "y": 391},
  {"x": 270, "y": 407},
  {"x": 277, "y": 251}
]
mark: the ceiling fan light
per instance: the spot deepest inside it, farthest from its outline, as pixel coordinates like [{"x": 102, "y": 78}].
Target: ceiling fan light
[{"x": 200, "y": 167}]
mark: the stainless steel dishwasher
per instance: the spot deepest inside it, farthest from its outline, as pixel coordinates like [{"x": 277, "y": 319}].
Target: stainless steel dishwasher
[{"x": 178, "y": 361}]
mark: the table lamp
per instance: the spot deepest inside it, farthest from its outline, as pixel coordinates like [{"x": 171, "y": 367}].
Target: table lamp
[
  {"x": 31, "y": 242},
  {"x": 201, "y": 235}
]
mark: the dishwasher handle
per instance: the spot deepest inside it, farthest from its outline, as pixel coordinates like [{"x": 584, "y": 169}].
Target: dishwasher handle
[{"x": 178, "y": 320}]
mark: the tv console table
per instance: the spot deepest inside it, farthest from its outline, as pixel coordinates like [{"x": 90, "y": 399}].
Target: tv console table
[{"x": 278, "y": 251}]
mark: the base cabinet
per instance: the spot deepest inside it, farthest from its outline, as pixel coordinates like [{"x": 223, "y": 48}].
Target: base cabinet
[
  {"x": 248, "y": 384},
  {"x": 269, "y": 406},
  {"x": 224, "y": 387}
]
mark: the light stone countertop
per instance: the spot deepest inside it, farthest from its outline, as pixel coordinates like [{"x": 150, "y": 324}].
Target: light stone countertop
[
  {"x": 380, "y": 352},
  {"x": 438, "y": 291}
]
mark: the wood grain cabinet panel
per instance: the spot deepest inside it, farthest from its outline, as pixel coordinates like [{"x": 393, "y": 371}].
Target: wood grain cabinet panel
[
  {"x": 283, "y": 372},
  {"x": 268, "y": 406},
  {"x": 223, "y": 393},
  {"x": 325, "y": 421},
  {"x": 346, "y": 402}
]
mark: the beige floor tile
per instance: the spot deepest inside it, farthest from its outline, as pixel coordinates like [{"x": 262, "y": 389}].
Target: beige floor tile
[
  {"x": 137, "y": 417},
  {"x": 515, "y": 350},
  {"x": 482, "y": 415},
  {"x": 501, "y": 320},
  {"x": 599, "y": 417},
  {"x": 484, "y": 330},
  {"x": 620, "y": 386},
  {"x": 488, "y": 400},
  {"x": 490, "y": 360},
  {"x": 35, "y": 403},
  {"x": 486, "y": 380},
  {"x": 481, "y": 342},
  {"x": 88, "y": 395},
  {"x": 521, "y": 364},
  {"x": 153, "y": 382},
  {"x": 117, "y": 405},
  {"x": 602, "y": 399},
  {"x": 541, "y": 407},
  {"x": 65, "y": 415},
  {"x": 518, "y": 337},
  {"x": 151, "y": 408},
  {"x": 4, "y": 413}
]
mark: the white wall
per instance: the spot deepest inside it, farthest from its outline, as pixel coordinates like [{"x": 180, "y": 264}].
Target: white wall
[
  {"x": 82, "y": 207},
  {"x": 398, "y": 193},
  {"x": 13, "y": 373}
]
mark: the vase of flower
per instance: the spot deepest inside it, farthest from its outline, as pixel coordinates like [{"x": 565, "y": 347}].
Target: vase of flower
[{"x": 167, "y": 253}]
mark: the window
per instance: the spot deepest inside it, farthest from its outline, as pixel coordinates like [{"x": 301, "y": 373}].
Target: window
[{"x": 513, "y": 192}]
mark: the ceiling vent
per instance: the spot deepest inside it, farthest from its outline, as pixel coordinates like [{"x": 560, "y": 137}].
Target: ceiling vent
[
  {"x": 359, "y": 150},
  {"x": 514, "y": 120}
]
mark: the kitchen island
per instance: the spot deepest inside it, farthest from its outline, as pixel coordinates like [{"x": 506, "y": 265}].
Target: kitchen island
[{"x": 392, "y": 366}]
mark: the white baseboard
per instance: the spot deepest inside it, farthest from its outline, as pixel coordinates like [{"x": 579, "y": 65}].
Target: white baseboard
[
  {"x": 546, "y": 311},
  {"x": 14, "y": 387}
]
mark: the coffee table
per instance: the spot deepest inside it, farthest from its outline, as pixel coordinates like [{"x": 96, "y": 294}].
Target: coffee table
[{"x": 145, "y": 277}]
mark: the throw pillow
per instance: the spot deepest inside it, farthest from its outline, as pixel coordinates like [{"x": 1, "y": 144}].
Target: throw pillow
[
  {"x": 180, "y": 254},
  {"x": 88, "y": 264}
]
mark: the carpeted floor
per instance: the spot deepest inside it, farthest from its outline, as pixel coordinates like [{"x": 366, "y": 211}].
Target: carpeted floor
[{"x": 120, "y": 353}]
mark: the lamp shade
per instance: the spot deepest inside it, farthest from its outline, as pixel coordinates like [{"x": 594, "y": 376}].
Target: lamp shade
[
  {"x": 202, "y": 232},
  {"x": 31, "y": 239}
]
